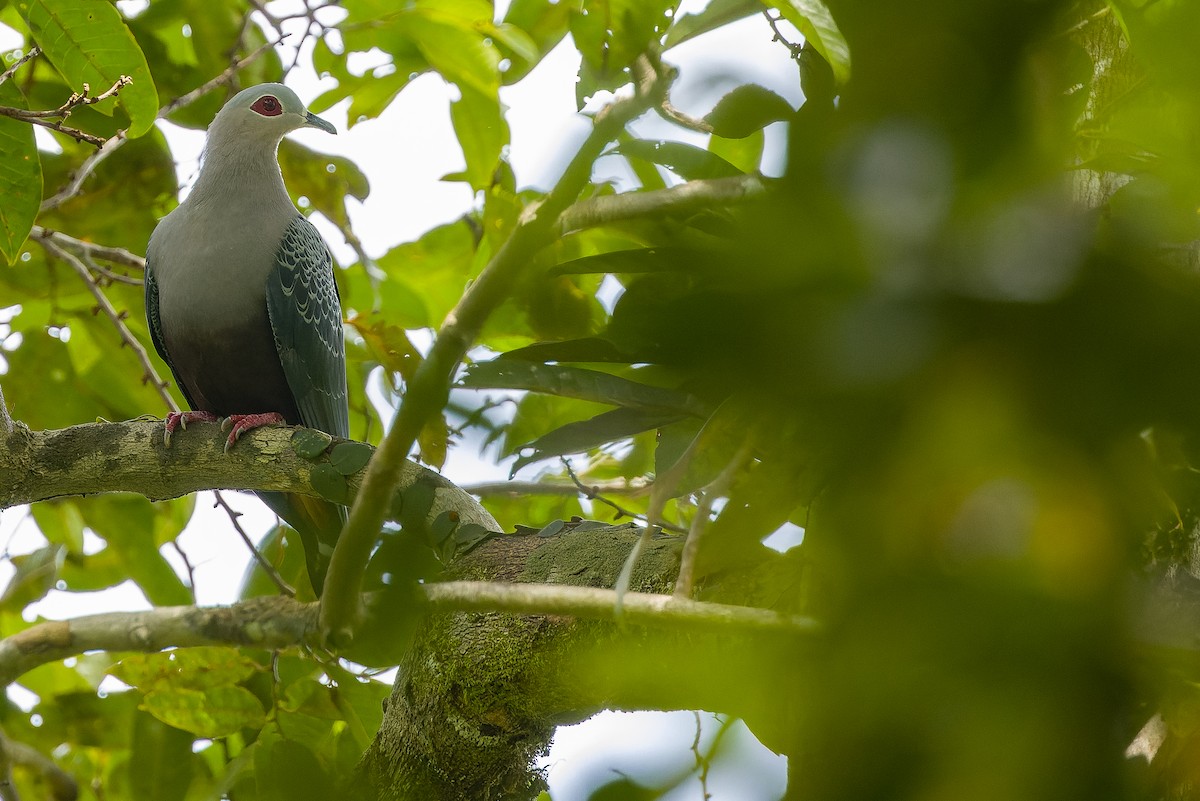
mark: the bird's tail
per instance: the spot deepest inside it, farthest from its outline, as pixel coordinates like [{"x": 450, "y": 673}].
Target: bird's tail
[{"x": 318, "y": 522}]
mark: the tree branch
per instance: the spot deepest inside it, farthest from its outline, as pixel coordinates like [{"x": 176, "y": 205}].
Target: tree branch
[
  {"x": 281, "y": 622},
  {"x": 681, "y": 199},
  {"x": 130, "y": 457}
]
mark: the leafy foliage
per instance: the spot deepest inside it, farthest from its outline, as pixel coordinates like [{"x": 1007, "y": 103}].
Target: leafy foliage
[{"x": 956, "y": 342}]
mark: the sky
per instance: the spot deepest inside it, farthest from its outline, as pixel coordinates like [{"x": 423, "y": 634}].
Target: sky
[{"x": 404, "y": 153}]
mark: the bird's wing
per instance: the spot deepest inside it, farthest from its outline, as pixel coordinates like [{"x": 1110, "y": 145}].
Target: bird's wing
[
  {"x": 306, "y": 318},
  {"x": 154, "y": 322}
]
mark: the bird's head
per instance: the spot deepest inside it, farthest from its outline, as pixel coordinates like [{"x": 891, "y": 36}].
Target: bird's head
[{"x": 265, "y": 112}]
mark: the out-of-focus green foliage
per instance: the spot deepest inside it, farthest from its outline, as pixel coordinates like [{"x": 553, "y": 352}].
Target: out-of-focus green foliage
[{"x": 958, "y": 342}]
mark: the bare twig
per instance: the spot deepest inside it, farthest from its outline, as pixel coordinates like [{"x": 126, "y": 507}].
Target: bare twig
[
  {"x": 773, "y": 21},
  {"x": 75, "y": 182},
  {"x": 31, "y": 118},
  {"x": 34, "y": 52},
  {"x": 77, "y": 99},
  {"x": 220, "y": 80},
  {"x": 118, "y": 321},
  {"x": 6, "y": 423},
  {"x": 187, "y": 565},
  {"x": 718, "y": 487},
  {"x": 591, "y": 494},
  {"x": 267, "y": 567},
  {"x": 107, "y": 253},
  {"x": 632, "y": 489}
]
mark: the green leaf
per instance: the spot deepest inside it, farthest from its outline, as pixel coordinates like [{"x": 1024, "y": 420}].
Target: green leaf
[
  {"x": 161, "y": 763},
  {"x": 747, "y": 109},
  {"x": 194, "y": 668},
  {"x": 482, "y": 134},
  {"x": 815, "y": 23},
  {"x": 289, "y": 771},
  {"x": 602, "y": 429},
  {"x": 543, "y": 21},
  {"x": 212, "y": 712},
  {"x": 60, "y": 522},
  {"x": 127, "y": 523},
  {"x": 745, "y": 153},
  {"x": 88, "y": 43},
  {"x": 686, "y": 161},
  {"x": 20, "y": 176},
  {"x": 350, "y": 457},
  {"x": 36, "y": 574},
  {"x": 610, "y": 34},
  {"x": 330, "y": 483},
  {"x": 716, "y": 14},
  {"x": 308, "y": 443},
  {"x": 453, "y": 46},
  {"x": 580, "y": 383}
]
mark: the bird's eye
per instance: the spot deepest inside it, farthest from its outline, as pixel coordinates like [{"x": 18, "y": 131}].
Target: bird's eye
[{"x": 268, "y": 106}]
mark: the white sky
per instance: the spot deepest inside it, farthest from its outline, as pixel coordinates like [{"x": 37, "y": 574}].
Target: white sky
[{"x": 404, "y": 153}]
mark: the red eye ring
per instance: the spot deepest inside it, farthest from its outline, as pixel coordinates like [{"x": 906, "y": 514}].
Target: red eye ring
[{"x": 268, "y": 106}]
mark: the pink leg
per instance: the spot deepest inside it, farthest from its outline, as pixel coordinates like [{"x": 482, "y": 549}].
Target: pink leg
[
  {"x": 238, "y": 424},
  {"x": 181, "y": 419}
]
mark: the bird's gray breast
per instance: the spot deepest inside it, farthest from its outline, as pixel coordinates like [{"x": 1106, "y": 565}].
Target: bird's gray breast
[{"x": 211, "y": 263}]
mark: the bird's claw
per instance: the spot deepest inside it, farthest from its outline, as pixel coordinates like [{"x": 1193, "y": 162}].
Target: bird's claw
[
  {"x": 238, "y": 424},
  {"x": 176, "y": 420}
]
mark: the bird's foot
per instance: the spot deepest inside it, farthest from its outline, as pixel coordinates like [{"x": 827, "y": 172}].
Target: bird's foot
[
  {"x": 238, "y": 424},
  {"x": 181, "y": 419}
]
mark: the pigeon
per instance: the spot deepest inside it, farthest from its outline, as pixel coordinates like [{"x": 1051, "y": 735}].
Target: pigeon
[{"x": 241, "y": 301}]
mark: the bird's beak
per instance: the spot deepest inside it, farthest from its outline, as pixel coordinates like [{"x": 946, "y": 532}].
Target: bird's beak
[{"x": 313, "y": 121}]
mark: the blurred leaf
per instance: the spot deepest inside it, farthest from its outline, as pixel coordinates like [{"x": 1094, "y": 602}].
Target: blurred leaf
[
  {"x": 289, "y": 771},
  {"x": 216, "y": 711},
  {"x": 745, "y": 153},
  {"x": 388, "y": 344},
  {"x": 36, "y": 574},
  {"x": 610, "y": 34},
  {"x": 330, "y": 483},
  {"x": 686, "y": 161},
  {"x": 66, "y": 29},
  {"x": 60, "y": 522},
  {"x": 604, "y": 428},
  {"x": 482, "y": 133},
  {"x": 195, "y": 668},
  {"x": 350, "y": 457},
  {"x": 747, "y": 109},
  {"x": 324, "y": 179},
  {"x": 20, "y": 176},
  {"x": 310, "y": 443},
  {"x": 577, "y": 382},
  {"x": 544, "y": 22},
  {"x": 128, "y": 523},
  {"x": 714, "y": 15},
  {"x": 160, "y": 759}
]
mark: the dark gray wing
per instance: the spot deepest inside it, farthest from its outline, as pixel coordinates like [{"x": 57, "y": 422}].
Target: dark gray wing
[
  {"x": 306, "y": 318},
  {"x": 154, "y": 322}
]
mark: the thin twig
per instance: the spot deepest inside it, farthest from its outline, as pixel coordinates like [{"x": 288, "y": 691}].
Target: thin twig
[
  {"x": 718, "y": 487},
  {"x": 220, "y": 80},
  {"x": 118, "y": 320},
  {"x": 267, "y": 567},
  {"x": 187, "y": 565},
  {"x": 591, "y": 494},
  {"x": 76, "y": 100},
  {"x": 74, "y": 133},
  {"x": 34, "y": 52},
  {"x": 773, "y": 21},
  {"x": 75, "y": 182},
  {"x": 633, "y": 489},
  {"x": 6, "y": 423},
  {"x": 107, "y": 253}
]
